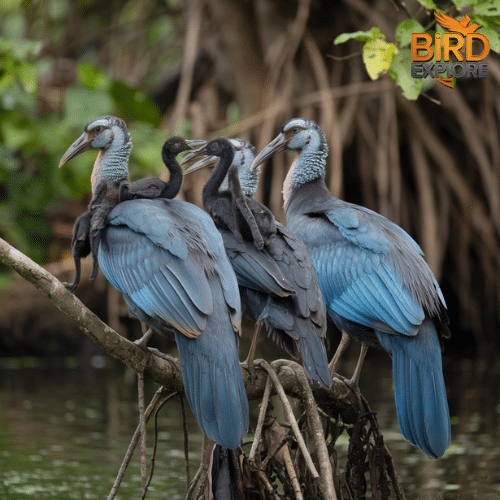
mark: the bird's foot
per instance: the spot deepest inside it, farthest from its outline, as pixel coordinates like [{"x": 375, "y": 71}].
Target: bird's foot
[
  {"x": 250, "y": 368},
  {"x": 353, "y": 385},
  {"x": 70, "y": 286},
  {"x": 143, "y": 341},
  {"x": 162, "y": 355}
]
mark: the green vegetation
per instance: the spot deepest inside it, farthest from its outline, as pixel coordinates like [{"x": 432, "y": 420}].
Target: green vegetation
[
  {"x": 34, "y": 133},
  {"x": 381, "y": 57}
]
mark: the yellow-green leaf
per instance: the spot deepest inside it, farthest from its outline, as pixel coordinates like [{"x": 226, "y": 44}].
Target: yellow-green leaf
[{"x": 377, "y": 57}]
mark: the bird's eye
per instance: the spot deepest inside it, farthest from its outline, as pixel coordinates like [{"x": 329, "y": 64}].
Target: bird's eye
[
  {"x": 295, "y": 130},
  {"x": 98, "y": 129}
]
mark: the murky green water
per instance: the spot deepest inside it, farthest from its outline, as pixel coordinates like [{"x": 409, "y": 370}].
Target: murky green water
[
  {"x": 64, "y": 431},
  {"x": 63, "y": 434}
]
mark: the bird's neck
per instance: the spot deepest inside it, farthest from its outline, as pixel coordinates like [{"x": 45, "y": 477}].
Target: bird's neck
[
  {"x": 212, "y": 186},
  {"x": 248, "y": 182},
  {"x": 308, "y": 197},
  {"x": 111, "y": 165},
  {"x": 308, "y": 165},
  {"x": 175, "y": 180}
]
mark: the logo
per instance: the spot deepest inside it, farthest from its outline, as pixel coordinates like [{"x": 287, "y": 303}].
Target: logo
[{"x": 459, "y": 42}]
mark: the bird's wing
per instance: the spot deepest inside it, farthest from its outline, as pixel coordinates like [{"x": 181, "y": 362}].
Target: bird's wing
[
  {"x": 166, "y": 256},
  {"x": 255, "y": 269},
  {"x": 358, "y": 271},
  {"x": 291, "y": 254}
]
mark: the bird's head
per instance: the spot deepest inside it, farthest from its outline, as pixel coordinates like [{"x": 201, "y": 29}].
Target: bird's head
[
  {"x": 101, "y": 133},
  {"x": 213, "y": 150},
  {"x": 309, "y": 142},
  {"x": 177, "y": 144},
  {"x": 244, "y": 154},
  {"x": 296, "y": 134}
]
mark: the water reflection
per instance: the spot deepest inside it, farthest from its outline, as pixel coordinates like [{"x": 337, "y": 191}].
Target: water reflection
[{"x": 64, "y": 431}]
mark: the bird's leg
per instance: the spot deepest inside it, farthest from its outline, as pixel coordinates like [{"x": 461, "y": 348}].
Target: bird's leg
[
  {"x": 147, "y": 333},
  {"x": 249, "y": 362},
  {"x": 353, "y": 383},
  {"x": 344, "y": 342},
  {"x": 357, "y": 371}
]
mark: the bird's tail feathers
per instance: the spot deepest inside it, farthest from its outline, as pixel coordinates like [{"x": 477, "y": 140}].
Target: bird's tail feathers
[
  {"x": 215, "y": 391},
  {"x": 313, "y": 353},
  {"x": 420, "y": 394},
  {"x": 224, "y": 470}
]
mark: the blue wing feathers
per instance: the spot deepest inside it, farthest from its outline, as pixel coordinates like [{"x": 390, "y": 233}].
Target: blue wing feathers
[
  {"x": 176, "y": 275},
  {"x": 379, "y": 289}
]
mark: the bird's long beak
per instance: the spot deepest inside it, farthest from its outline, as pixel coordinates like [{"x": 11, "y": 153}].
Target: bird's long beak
[
  {"x": 194, "y": 155},
  {"x": 208, "y": 161},
  {"x": 280, "y": 143},
  {"x": 195, "y": 143},
  {"x": 82, "y": 144}
]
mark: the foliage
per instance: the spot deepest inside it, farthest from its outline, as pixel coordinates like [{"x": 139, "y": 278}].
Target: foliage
[
  {"x": 381, "y": 57},
  {"x": 33, "y": 139}
]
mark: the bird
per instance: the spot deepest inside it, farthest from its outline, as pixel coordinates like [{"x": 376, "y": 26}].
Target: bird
[
  {"x": 462, "y": 26},
  {"x": 377, "y": 287},
  {"x": 168, "y": 260},
  {"x": 294, "y": 317}
]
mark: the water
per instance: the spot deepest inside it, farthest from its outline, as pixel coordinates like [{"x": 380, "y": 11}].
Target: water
[{"x": 64, "y": 431}]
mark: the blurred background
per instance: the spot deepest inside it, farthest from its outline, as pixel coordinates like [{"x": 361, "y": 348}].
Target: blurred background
[{"x": 203, "y": 68}]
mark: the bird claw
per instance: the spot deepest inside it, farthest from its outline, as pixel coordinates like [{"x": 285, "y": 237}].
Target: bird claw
[
  {"x": 352, "y": 385},
  {"x": 143, "y": 341},
  {"x": 70, "y": 286},
  {"x": 250, "y": 368}
]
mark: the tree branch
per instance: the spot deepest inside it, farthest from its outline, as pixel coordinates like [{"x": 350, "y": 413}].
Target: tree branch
[
  {"x": 160, "y": 370},
  {"x": 167, "y": 372}
]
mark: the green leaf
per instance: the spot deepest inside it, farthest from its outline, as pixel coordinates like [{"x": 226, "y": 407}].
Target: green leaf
[
  {"x": 24, "y": 49},
  {"x": 27, "y": 77},
  {"x": 6, "y": 81},
  {"x": 485, "y": 21},
  {"x": 493, "y": 37},
  {"x": 405, "y": 29},
  {"x": 134, "y": 104},
  {"x": 14, "y": 135},
  {"x": 83, "y": 105},
  {"x": 460, "y": 4},
  {"x": 400, "y": 72},
  {"x": 360, "y": 36},
  {"x": 428, "y": 4},
  {"x": 377, "y": 57},
  {"x": 488, "y": 8},
  {"x": 93, "y": 78},
  {"x": 8, "y": 5},
  {"x": 146, "y": 157}
]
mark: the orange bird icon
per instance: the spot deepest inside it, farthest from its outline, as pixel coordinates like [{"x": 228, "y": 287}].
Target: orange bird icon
[{"x": 461, "y": 27}]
